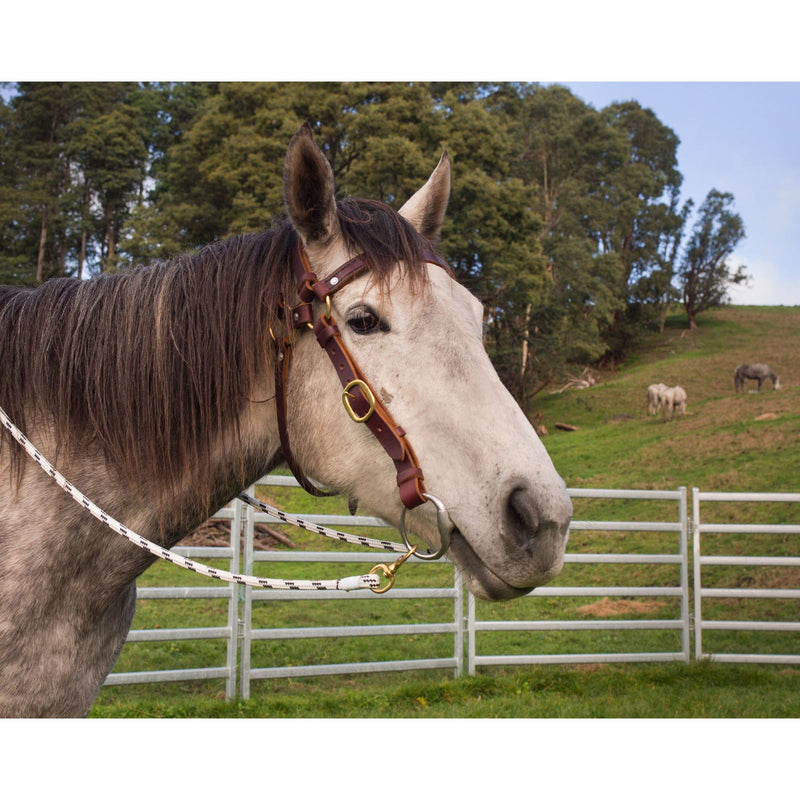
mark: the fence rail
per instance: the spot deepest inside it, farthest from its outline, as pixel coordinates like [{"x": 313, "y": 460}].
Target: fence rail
[{"x": 468, "y": 626}]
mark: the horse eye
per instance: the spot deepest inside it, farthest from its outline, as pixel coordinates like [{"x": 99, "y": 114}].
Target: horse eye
[{"x": 366, "y": 321}]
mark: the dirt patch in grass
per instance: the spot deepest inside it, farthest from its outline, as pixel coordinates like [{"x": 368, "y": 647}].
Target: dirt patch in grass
[{"x": 611, "y": 608}]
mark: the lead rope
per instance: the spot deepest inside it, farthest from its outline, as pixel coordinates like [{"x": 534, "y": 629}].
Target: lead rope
[
  {"x": 378, "y": 544},
  {"x": 348, "y": 584}
]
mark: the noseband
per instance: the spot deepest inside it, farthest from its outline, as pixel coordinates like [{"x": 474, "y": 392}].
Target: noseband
[{"x": 361, "y": 402}]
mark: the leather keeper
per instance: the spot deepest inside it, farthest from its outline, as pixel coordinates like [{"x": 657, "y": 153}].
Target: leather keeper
[
  {"x": 302, "y": 315},
  {"x": 305, "y": 286},
  {"x": 407, "y": 473},
  {"x": 325, "y": 329},
  {"x": 411, "y": 493}
]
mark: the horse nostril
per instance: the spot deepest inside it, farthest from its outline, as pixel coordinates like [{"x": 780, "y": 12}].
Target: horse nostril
[{"x": 522, "y": 516}]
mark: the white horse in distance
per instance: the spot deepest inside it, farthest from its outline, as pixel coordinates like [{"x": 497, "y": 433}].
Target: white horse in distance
[
  {"x": 673, "y": 400},
  {"x": 654, "y": 392}
]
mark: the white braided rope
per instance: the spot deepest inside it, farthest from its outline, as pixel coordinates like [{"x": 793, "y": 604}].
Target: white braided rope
[
  {"x": 346, "y": 584},
  {"x": 351, "y": 538}
]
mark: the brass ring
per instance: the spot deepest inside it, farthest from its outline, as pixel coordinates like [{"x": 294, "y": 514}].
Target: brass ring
[{"x": 367, "y": 392}]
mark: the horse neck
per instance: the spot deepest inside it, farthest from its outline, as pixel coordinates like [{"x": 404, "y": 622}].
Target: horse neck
[{"x": 246, "y": 449}]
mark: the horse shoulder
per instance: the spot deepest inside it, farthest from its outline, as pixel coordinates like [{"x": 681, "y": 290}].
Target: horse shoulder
[{"x": 67, "y": 597}]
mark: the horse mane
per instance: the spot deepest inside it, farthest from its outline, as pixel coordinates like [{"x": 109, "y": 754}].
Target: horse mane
[{"x": 154, "y": 364}]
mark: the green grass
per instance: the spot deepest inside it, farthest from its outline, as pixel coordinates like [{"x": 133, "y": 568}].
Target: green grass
[
  {"x": 725, "y": 442},
  {"x": 601, "y": 691}
]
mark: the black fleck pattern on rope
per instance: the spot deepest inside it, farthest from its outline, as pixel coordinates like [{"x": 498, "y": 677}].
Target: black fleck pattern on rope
[{"x": 364, "y": 541}]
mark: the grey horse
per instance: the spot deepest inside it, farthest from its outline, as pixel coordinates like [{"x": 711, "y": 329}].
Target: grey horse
[{"x": 756, "y": 372}]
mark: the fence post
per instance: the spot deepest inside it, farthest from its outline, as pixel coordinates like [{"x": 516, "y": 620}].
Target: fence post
[
  {"x": 684, "y": 549},
  {"x": 233, "y": 603},
  {"x": 247, "y": 601},
  {"x": 470, "y": 633},
  {"x": 458, "y": 613},
  {"x": 697, "y": 587}
]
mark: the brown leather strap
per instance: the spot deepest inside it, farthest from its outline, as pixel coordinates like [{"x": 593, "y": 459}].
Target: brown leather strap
[
  {"x": 283, "y": 358},
  {"x": 380, "y": 422}
]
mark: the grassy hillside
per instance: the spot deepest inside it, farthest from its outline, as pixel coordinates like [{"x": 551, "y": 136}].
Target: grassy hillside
[{"x": 726, "y": 442}]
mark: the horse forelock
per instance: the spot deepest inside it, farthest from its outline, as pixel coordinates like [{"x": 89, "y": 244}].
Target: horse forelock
[
  {"x": 154, "y": 365},
  {"x": 375, "y": 230}
]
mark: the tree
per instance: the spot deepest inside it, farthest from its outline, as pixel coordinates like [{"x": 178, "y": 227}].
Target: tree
[
  {"x": 567, "y": 155},
  {"x": 705, "y": 274},
  {"x": 492, "y": 230},
  {"x": 10, "y": 232},
  {"x": 41, "y": 113},
  {"x": 638, "y": 206},
  {"x": 107, "y": 152},
  {"x": 74, "y": 159}
]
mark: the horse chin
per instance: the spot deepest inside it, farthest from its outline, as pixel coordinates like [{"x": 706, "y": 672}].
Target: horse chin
[{"x": 482, "y": 581}]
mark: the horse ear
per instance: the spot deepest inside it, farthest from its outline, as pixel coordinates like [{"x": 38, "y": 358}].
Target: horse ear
[
  {"x": 425, "y": 209},
  {"x": 308, "y": 189}
]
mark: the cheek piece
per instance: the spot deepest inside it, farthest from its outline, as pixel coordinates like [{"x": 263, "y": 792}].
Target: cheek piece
[{"x": 360, "y": 401}]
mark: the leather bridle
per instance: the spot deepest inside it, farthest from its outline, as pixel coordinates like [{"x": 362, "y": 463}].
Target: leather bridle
[{"x": 362, "y": 403}]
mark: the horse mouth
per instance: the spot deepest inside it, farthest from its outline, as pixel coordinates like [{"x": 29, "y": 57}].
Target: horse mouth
[{"x": 481, "y": 581}]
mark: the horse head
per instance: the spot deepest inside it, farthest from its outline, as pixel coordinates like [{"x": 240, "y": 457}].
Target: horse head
[{"x": 417, "y": 337}]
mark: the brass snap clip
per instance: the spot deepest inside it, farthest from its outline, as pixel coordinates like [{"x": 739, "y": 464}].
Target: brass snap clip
[{"x": 390, "y": 571}]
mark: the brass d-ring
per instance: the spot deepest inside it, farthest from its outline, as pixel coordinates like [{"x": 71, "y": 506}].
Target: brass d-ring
[{"x": 366, "y": 391}]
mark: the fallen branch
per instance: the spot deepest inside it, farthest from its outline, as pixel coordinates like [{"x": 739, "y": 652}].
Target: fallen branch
[{"x": 586, "y": 380}]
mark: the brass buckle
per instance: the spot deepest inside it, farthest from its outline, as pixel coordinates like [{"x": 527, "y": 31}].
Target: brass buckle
[{"x": 367, "y": 392}]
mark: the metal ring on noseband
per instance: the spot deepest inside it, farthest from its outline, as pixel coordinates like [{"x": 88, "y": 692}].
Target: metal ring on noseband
[{"x": 444, "y": 523}]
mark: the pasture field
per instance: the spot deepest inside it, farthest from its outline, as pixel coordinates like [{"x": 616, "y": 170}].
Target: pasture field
[{"x": 725, "y": 442}]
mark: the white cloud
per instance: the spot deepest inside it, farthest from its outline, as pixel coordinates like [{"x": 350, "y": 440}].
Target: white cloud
[{"x": 768, "y": 285}]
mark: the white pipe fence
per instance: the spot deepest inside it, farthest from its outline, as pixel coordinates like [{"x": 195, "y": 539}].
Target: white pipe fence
[
  {"x": 702, "y": 591},
  {"x": 679, "y": 588},
  {"x": 251, "y": 633},
  {"x": 537, "y": 620}
]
